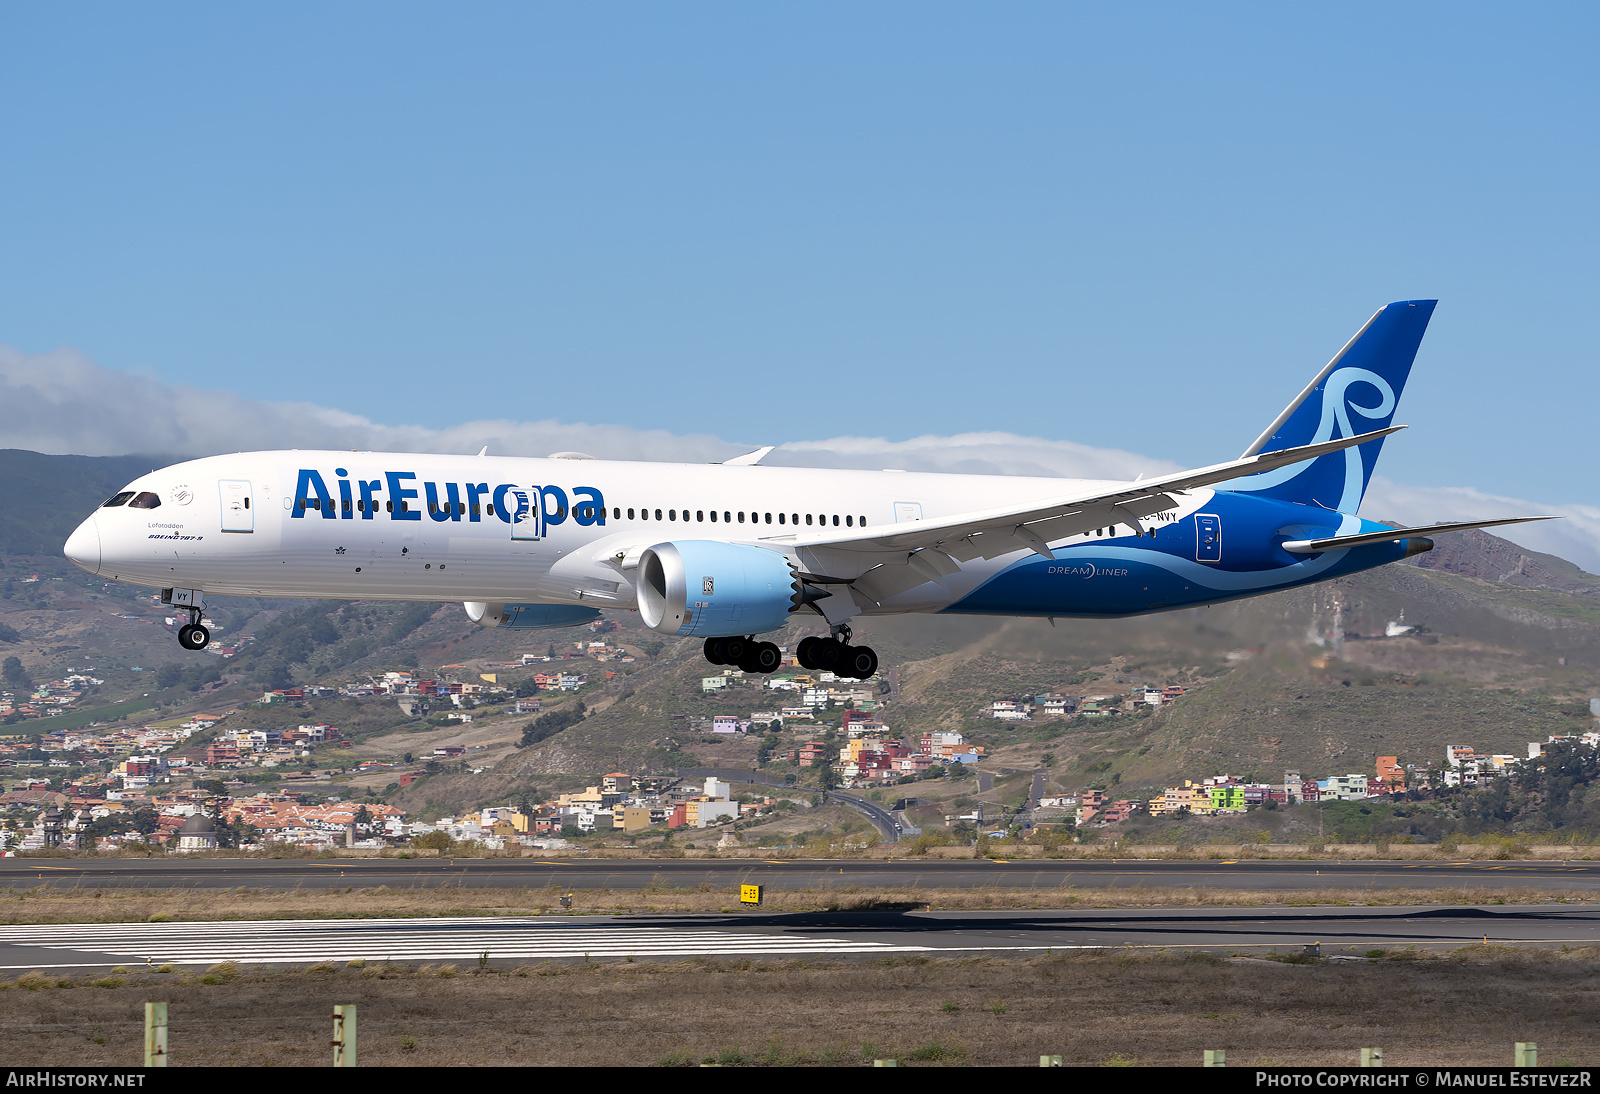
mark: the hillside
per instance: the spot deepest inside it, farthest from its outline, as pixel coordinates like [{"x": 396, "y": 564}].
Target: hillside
[{"x": 1507, "y": 651}]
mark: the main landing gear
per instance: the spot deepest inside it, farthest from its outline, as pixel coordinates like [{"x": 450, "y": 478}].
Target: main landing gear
[
  {"x": 192, "y": 636},
  {"x": 746, "y": 653},
  {"x": 834, "y": 654}
]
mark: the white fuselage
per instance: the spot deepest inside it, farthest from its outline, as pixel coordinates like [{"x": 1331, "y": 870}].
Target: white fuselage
[{"x": 396, "y": 526}]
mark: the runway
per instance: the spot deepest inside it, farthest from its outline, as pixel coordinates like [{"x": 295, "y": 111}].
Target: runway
[
  {"x": 503, "y": 940},
  {"x": 578, "y": 873}
]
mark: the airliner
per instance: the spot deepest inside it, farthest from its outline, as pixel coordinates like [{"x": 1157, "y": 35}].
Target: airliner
[{"x": 728, "y": 552}]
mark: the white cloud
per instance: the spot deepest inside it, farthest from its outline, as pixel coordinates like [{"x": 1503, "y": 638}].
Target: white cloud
[
  {"x": 1575, "y": 538},
  {"x": 62, "y": 402},
  {"x": 972, "y": 454}
]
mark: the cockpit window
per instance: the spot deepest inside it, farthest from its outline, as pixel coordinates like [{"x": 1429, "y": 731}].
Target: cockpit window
[
  {"x": 117, "y": 499},
  {"x": 144, "y": 499}
]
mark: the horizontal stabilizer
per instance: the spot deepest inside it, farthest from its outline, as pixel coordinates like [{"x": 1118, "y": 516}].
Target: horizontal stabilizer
[{"x": 1309, "y": 546}]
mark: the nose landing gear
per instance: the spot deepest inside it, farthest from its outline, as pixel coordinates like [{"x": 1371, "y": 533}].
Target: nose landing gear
[{"x": 192, "y": 636}]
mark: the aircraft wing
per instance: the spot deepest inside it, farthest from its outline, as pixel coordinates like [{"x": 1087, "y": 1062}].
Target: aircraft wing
[
  {"x": 1310, "y": 546},
  {"x": 908, "y": 553}
]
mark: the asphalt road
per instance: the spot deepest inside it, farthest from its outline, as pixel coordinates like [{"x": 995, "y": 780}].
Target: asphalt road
[
  {"x": 877, "y": 814},
  {"x": 1338, "y": 934},
  {"x": 578, "y": 873}
]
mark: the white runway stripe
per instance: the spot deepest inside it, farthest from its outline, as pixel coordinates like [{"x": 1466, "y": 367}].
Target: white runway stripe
[{"x": 464, "y": 938}]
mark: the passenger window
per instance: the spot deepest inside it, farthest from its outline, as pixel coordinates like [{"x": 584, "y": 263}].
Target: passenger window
[
  {"x": 616, "y": 514},
  {"x": 630, "y": 514},
  {"x": 861, "y": 522},
  {"x": 713, "y": 516},
  {"x": 849, "y": 522},
  {"x": 808, "y": 518},
  {"x": 769, "y": 518},
  {"x": 699, "y": 515},
  {"x": 672, "y": 514},
  {"x": 836, "y": 520},
  {"x": 144, "y": 499},
  {"x": 658, "y": 514},
  {"x": 794, "y": 518},
  {"x": 741, "y": 517},
  {"x": 727, "y": 517},
  {"x": 117, "y": 499},
  {"x": 780, "y": 518}
]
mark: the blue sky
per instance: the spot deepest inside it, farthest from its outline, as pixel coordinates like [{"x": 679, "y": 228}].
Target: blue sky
[{"x": 1139, "y": 227}]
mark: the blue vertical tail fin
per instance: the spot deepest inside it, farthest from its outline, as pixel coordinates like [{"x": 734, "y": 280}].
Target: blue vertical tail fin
[{"x": 1355, "y": 392}]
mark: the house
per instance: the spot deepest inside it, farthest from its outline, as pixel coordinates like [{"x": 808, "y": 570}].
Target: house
[
  {"x": 1344, "y": 787},
  {"x": 813, "y": 754},
  {"x": 1090, "y": 803},
  {"x": 1056, "y": 706},
  {"x": 1391, "y": 774},
  {"x": 698, "y": 814}
]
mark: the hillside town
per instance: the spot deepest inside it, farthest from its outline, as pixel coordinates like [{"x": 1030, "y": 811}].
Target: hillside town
[{"x": 254, "y": 784}]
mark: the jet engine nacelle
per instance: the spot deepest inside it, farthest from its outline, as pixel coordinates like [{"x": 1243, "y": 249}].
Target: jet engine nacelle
[
  {"x": 528, "y": 616},
  {"x": 706, "y": 589}
]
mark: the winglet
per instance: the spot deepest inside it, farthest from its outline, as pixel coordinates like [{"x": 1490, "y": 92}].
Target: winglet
[{"x": 749, "y": 459}]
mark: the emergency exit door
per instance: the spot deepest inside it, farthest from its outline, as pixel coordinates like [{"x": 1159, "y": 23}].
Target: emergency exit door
[
  {"x": 1208, "y": 537},
  {"x": 524, "y": 506},
  {"x": 237, "y": 513}
]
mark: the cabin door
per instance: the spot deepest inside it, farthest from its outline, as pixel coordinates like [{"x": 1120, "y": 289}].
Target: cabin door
[
  {"x": 237, "y": 513},
  {"x": 1208, "y": 537}
]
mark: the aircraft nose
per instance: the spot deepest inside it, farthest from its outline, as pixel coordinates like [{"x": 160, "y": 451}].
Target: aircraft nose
[{"x": 83, "y": 546}]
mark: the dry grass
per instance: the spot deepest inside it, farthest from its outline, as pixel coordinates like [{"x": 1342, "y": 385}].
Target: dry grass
[
  {"x": 1092, "y": 1008},
  {"x": 47, "y": 904}
]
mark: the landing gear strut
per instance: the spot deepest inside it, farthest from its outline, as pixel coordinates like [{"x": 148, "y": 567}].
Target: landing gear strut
[{"x": 835, "y": 654}]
